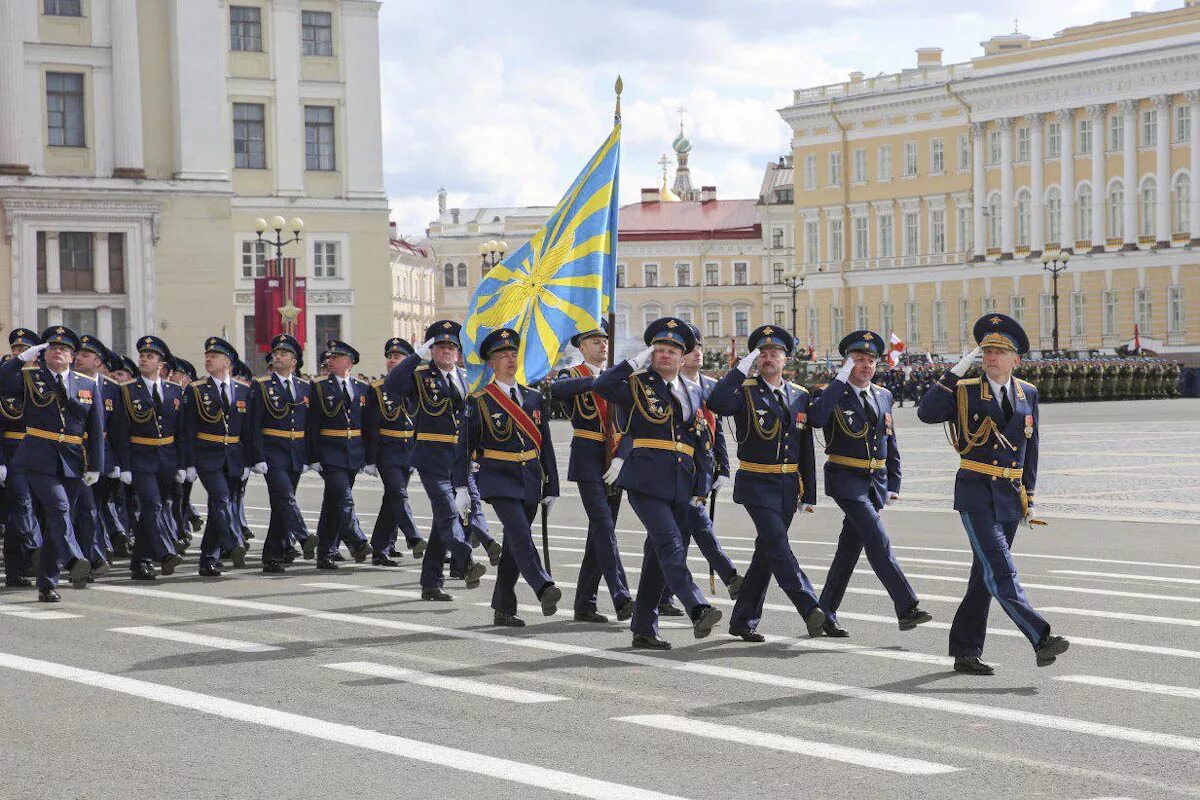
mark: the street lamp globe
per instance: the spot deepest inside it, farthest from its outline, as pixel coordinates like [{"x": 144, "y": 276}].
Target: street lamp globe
[
  {"x": 277, "y": 223},
  {"x": 260, "y": 225},
  {"x": 296, "y": 225}
]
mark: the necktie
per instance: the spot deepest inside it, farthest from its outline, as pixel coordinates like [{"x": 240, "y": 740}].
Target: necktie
[
  {"x": 455, "y": 395},
  {"x": 287, "y": 391},
  {"x": 157, "y": 400},
  {"x": 224, "y": 398},
  {"x": 783, "y": 406},
  {"x": 60, "y": 390},
  {"x": 1005, "y": 405},
  {"x": 512, "y": 392},
  {"x": 346, "y": 391},
  {"x": 872, "y": 417}
]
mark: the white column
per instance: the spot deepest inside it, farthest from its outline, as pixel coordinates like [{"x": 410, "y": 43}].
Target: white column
[
  {"x": 53, "y": 268},
  {"x": 362, "y": 124},
  {"x": 1007, "y": 208},
  {"x": 1129, "y": 109},
  {"x": 1162, "y": 171},
  {"x": 100, "y": 263},
  {"x": 1037, "y": 202},
  {"x": 1193, "y": 98},
  {"x": 289, "y": 116},
  {"x": 126, "y": 91},
  {"x": 12, "y": 58},
  {"x": 104, "y": 328},
  {"x": 1099, "y": 190},
  {"x": 203, "y": 130},
  {"x": 979, "y": 189},
  {"x": 1066, "y": 139}
]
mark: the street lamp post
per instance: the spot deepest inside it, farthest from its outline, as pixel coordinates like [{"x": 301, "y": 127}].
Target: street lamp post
[
  {"x": 492, "y": 253},
  {"x": 1054, "y": 263},
  {"x": 277, "y": 224},
  {"x": 795, "y": 282}
]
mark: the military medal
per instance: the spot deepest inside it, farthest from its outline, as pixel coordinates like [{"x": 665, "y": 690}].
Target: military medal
[
  {"x": 1029, "y": 426},
  {"x": 801, "y": 419}
]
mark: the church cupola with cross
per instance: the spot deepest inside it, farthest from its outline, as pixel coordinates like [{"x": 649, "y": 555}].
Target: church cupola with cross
[{"x": 682, "y": 187}]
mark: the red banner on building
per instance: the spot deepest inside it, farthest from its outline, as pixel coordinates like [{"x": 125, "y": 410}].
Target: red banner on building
[{"x": 279, "y": 303}]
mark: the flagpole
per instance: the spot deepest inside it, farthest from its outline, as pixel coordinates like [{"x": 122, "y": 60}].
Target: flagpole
[{"x": 612, "y": 309}]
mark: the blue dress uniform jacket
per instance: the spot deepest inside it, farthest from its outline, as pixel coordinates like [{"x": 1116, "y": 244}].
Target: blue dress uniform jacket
[
  {"x": 667, "y": 456},
  {"x": 212, "y": 439},
  {"x": 440, "y": 445},
  {"x": 335, "y": 428},
  {"x": 720, "y": 447},
  {"x": 145, "y": 441},
  {"x": 277, "y": 433},
  {"x": 863, "y": 461},
  {"x": 510, "y": 463},
  {"x": 110, "y": 394},
  {"x": 768, "y": 435},
  {"x": 587, "y": 461},
  {"x": 388, "y": 428},
  {"x": 66, "y": 439},
  {"x": 998, "y": 467}
]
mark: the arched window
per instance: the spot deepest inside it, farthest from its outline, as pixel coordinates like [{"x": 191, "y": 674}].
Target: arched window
[
  {"x": 1023, "y": 218},
  {"x": 462, "y": 274},
  {"x": 1084, "y": 205},
  {"x": 448, "y": 275},
  {"x": 1054, "y": 217},
  {"x": 1182, "y": 198},
  {"x": 650, "y": 313},
  {"x": 1116, "y": 213},
  {"x": 993, "y": 237},
  {"x": 1147, "y": 202}
]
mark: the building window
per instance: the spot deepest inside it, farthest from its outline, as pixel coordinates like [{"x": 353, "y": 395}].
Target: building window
[
  {"x": 777, "y": 273},
  {"x": 318, "y": 138},
  {"x": 964, "y": 151},
  {"x": 779, "y": 315},
  {"x": 885, "y": 162},
  {"x": 462, "y": 274},
  {"x": 650, "y": 274},
  {"x": 993, "y": 146},
  {"x": 63, "y": 8},
  {"x": 912, "y": 233},
  {"x": 837, "y": 323},
  {"x": 1109, "y": 319},
  {"x": 910, "y": 159},
  {"x": 1054, "y": 140},
  {"x": 777, "y": 237},
  {"x": 886, "y": 318},
  {"x": 741, "y": 322},
  {"x": 249, "y": 136},
  {"x": 1116, "y": 216},
  {"x": 325, "y": 260},
  {"x": 987, "y": 304},
  {"x": 64, "y": 109},
  {"x": 316, "y": 32},
  {"x": 327, "y": 327},
  {"x": 1143, "y": 310},
  {"x": 1147, "y": 201},
  {"x": 740, "y": 270},
  {"x": 448, "y": 275},
  {"x": 812, "y": 243},
  {"x": 620, "y": 276},
  {"x": 860, "y": 317},
  {"x": 887, "y": 236},
  {"x": 80, "y": 319},
  {"x": 1182, "y": 197},
  {"x": 810, "y": 172},
  {"x": 1054, "y": 216},
  {"x": 814, "y": 326},
  {"x": 1116, "y": 133},
  {"x": 116, "y": 263},
  {"x": 1183, "y": 122},
  {"x": 42, "y": 283},
  {"x": 963, "y": 232},
  {"x": 860, "y": 238},
  {"x": 937, "y": 156},
  {"x": 75, "y": 262},
  {"x": 254, "y": 260},
  {"x": 835, "y": 169},
  {"x": 785, "y": 194},
  {"x": 939, "y": 320},
  {"x": 712, "y": 274},
  {"x": 937, "y": 230},
  {"x": 993, "y": 219},
  {"x": 712, "y": 322},
  {"x": 1084, "y": 206},
  {"x": 912, "y": 311},
  {"x": 964, "y": 320},
  {"x": 1016, "y": 308},
  {"x": 835, "y": 240},
  {"x": 684, "y": 313},
  {"x": 1046, "y": 315},
  {"x": 860, "y": 166},
  {"x": 1023, "y": 218},
  {"x": 1149, "y": 127},
  {"x": 622, "y": 320},
  {"x": 1176, "y": 321},
  {"x": 1085, "y": 137},
  {"x": 1078, "y": 313},
  {"x": 1022, "y": 144},
  {"x": 245, "y": 28}
]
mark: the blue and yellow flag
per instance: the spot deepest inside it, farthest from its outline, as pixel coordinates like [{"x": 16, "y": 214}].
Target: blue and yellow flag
[{"x": 557, "y": 284}]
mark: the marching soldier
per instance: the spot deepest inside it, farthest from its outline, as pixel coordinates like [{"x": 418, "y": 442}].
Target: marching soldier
[
  {"x": 593, "y": 444},
  {"x": 509, "y": 437},
  {"x": 668, "y": 470},
  {"x": 63, "y": 449},
  {"x": 187, "y": 519},
  {"x": 437, "y": 392},
  {"x": 335, "y": 422},
  {"x": 993, "y": 423},
  {"x": 277, "y": 449},
  {"x": 146, "y": 440},
  {"x": 89, "y": 526},
  {"x": 776, "y": 475},
  {"x": 22, "y": 533},
  {"x": 388, "y": 431},
  {"x": 862, "y": 475}
]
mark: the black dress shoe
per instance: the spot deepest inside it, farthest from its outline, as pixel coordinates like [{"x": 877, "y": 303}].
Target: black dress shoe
[
  {"x": 120, "y": 546},
  {"x": 735, "y": 586},
  {"x": 48, "y": 596},
  {"x": 247, "y": 534},
  {"x": 100, "y": 567},
  {"x": 19, "y": 582},
  {"x": 507, "y": 620},
  {"x": 337, "y": 557},
  {"x": 170, "y": 563},
  {"x": 79, "y": 569},
  {"x": 326, "y": 563},
  {"x": 494, "y": 551},
  {"x": 549, "y": 600},
  {"x": 383, "y": 561},
  {"x": 914, "y": 617},
  {"x": 590, "y": 616},
  {"x": 971, "y": 665},
  {"x": 815, "y": 623},
  {"x": 626, "y": 610},
  {"x": 650, "y": 643},
  {"x": 474, "y": 572},
  {"x": 1050, "y": 648},
  {"x": 272, "y": 567},
  {"x": 418, "y": 549},
  {"x": 142, "y": 574},
  {"x": 362, "y": 552},
  {"x": 195, "y": 522},
  {"x": 210, "y": 571},
  {"x": 310, "y": 546},
  {"x": 455, "y": 574},
  {"x": 669, "y": 610},
  {"x": 748, "y": 636},
  {"x": 705, "y": 621},
  {"x": 436, "y": 594},
  {"x": 833, "y": 630},
  {"x": 238, "y": 555}
]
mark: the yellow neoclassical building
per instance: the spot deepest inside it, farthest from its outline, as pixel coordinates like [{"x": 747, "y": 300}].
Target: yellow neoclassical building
[{"x": 928, "y": 197}]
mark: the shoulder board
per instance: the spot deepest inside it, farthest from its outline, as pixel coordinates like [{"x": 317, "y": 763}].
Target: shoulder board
[
  {"x": 477, "y": 393},
  {"x": 530, "y": 390},
  {"x": 639, "y": 372},
  {"x": 968, "y": 381},
  {"x": 798, "y": 387},
  {"x": 750, "y": 382},
  {"x": 1026, "y": 383},
  {"x": 174, "y": 383},
  {"x": 81, "y": 375},
  {"x": 31, "y": 365},
  {"x": 128, "y": 382},
  {"x": 302, "y": 381},
  {"x": 422, "y": 367},
  {"x": 377, "y": 384},
  {"x": 262, "y": 379},
  {"x": 240, "y": 382}
]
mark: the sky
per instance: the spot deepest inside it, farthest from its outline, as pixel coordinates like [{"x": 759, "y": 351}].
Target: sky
[{"x": 502, "y": 103}]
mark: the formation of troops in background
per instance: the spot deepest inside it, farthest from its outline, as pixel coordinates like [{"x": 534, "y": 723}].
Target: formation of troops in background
[{"x": 100, "y": 454}]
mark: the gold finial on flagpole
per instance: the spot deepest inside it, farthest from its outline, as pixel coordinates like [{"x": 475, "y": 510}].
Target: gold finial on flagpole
[{"x": 617, "y": 87}]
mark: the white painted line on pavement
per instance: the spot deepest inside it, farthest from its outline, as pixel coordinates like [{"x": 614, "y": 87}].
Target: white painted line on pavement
[
  {"x": 464, "y": 685},
  {"x": 1133, "y": 686},
  {"x": 532, "y": 609},
  {"x": 410, "y": 749},
  {"x": 1125, "y": 576},
  {"x": 1088, "y": 612},
  {"x": 32, "y": 612},
  {"x": 789, "y": 744},
  {"x": 173, "y": 635},
  {"x": 1033, "y": 719},
  {"x": 407, "y": 594}
]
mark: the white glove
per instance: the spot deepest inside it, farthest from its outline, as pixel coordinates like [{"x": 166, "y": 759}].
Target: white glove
[
  {"x": 180, "y": 475},
  {"x": 126, "y": 477},
  {"x": 424, "y": 350},
  {"x": 90, "y": 478},
  {"x": 115, "y": 472},
  {"x": 1024, "y": 521},
  {"x": 807, "y": 508},
  {"x": 892, "y": 498},
  {"x": 844, "y": 373},
  {"x": 720, "y": 483},
  {"x": 190, "y": 474},
  {"x": 260, "y": 468},
  {"x": 315, "y": 468},
  {"x": 548, "y": 503},
  {"x": 966, "y": 361},
  {"x": 372, "y": 470},
  {"x": 32, "y": 353},
  {"x": 614, "y": 469},
  {"x": 462, "y": 499},
  {"x": 245, "y": 474},
  {"x": 3, "y": 474},
  {"x": 747, "y": 363},
  {"x": 639, "y": 361},
  {"x": 698, "y": 502}
]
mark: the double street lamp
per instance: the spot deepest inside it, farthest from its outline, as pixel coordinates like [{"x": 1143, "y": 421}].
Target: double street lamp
[
  {"x": 794, "y": 281},
  {"x": 277, "y": 224},
  {"x": 1054, "y": 263},
  {"x": 492, "y": 253}
]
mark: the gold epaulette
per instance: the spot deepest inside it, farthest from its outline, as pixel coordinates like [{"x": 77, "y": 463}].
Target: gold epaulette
[
  {"x": 1027, "y": 383},
  {"x": 798, "y": 387},
  {"x": 81, "y": 375},
  {"x": 262, "y": 379},
  {"x": 638, "y": 372},
  {"x": 241, "y": 382},
  {"x": 477, "y": 394},
  {"x": 174, "y": 383},
  {"x": 377, "y": 384},
  {"x": 422, "y": 367},
  {"x": 750, "y": 382},
  {"x": 968, "y": 381},
  {"x": 298, "y": 379}
]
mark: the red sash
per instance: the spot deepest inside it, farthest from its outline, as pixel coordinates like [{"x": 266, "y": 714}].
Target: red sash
[
  {"x": 606, "y": 428},
  {"x": 711, "y": 421},
  {"x": 517, "y": 413}
]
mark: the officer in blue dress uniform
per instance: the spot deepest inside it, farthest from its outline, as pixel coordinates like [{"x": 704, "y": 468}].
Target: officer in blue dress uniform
[
  {"x": 776, "y": 475},
  {"x": 216, "y": 410},
  {"x": 112, "y": 510},
  {"x": 243, "y": 375},
  {"x": 277, "y": 449},
  {"x": 388, "y": 431},
  {"x": 862, "y": 475},
  {"x": 146, "y": 433},
  {"x": 437, "y": 390},
  {"x": 508, "y": 435},
  {"x": 183, "y": 372},
  {"x": 94, "y": 360},
  {"x": 335, "y": 426},
  {"x": 666, "y": 470},
  {"x": 22, "y": 532},
  {"x": 63, "y": 449},
  {"x": 595, "y": 435},
  {"x": 993, "y": 422}
]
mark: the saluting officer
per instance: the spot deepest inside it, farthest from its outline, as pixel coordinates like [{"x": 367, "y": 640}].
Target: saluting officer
[
  {"x": 277, "y": 449},
  {"x": 216, "y": 410},
  {"x": 63, "y": 449},
  {"x": 22, "y": 533},
  {"x": 388, "y": 431},
  {"x": 776, "y": 475},
  {"x": 508, "y": 435},
  {"x": 594, "y": 442},
  {"x": 146, "y": 433},
  {"x": 993, "y": 422},
  {"x": 666, "y": 471},
  {"x": 862, "y": 475},
  {"x": 335, "y": 423}
]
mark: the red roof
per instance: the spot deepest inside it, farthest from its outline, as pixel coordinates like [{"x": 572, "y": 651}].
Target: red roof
[{"x": 666, "y": 221}]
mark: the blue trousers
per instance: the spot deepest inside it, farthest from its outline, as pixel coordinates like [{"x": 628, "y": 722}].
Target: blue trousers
[
  {"x": 337, "y": 521},
  {"x": 518, "y": 555},
  {"x": 446, "y": 533},
  {"x": 862, "y": 529},
  {"x": 57, "y": 497},
  {"x": 476, "y": 521},
  {"x": 22, "y": 533},
  {"x": 664, "y": 562},
  {"x": 772, "y": 557},
  {"x": 156, "y": 527},
  {"x": 221, "y": 531},
  {"x": 601, "y": 557},
  {"x": 394, "y": 511},
  {"x": 239, "y": 506},
  {"x": 107, "y": 493},
  {"x": 286, "y": 521},
  {"x": 993, "y": 574},
  {"x": 699, "y": 529}
]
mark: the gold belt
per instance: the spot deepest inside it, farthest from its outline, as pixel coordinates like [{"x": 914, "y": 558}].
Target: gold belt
[
  {"x": 444, "y": 438},
  {"x": 1011, "y": 473},
  {"x": 212, "y": 437},
  {"x": 663, "y": 444},
  {"x": 769, "y": 469},
  {"x": 858, "y": 463},
  {"x": 504, "y": 455},
  {"x": 151, "y": 441},
  {"x": 583, "y": 433},
  {"x": 396, "y": 434},
  {"x": 17, "y": 435},
  {"x": 341, "y": 433},
  {"x": 61, "y": 438},
  {"x": 283, "y": 434}
]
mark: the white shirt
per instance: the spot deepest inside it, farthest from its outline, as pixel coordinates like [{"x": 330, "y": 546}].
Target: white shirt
[
  {"x": 227, "y": 383},
  {"x": 872, "y": 397},
  {"x": 782, "y": 388},
  {"x": 996, "y": 391},
  {"x": 451, "y": 378},
  {"x": 595, "y": 368},
  {"x": 347, "y": 385},
  {"x": 507, "y": 389},
  {"x": 289, "y": 381},
  {"x": 151, "y": 384},
  {"x": 685, "y": 392}
]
